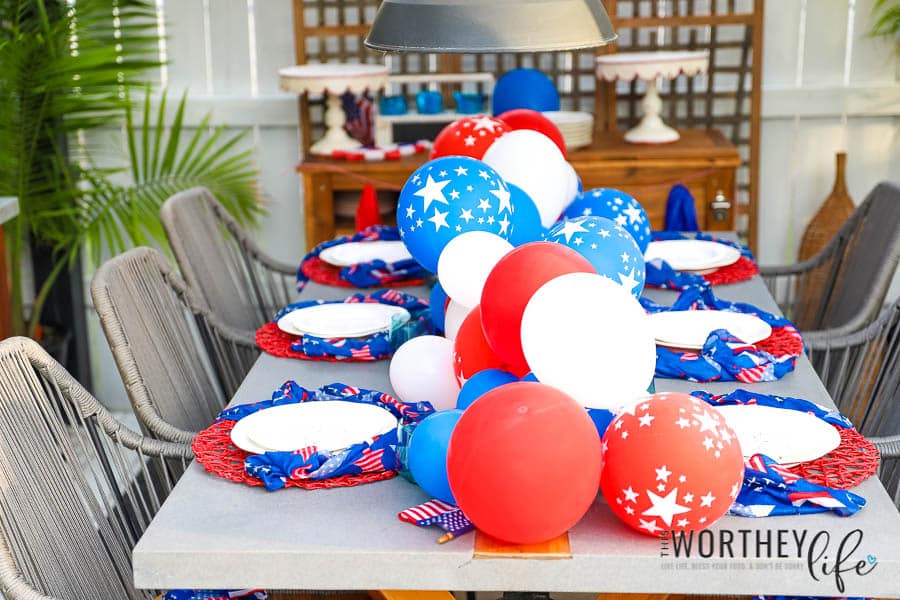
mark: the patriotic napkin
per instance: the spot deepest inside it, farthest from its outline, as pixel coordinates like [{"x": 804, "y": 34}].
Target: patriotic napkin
[
  {"x": 374, "y": 347},
  {"x": 377, "y": 454},
  {"x": 723, "y": 356},
  {"x": 660, "y": 274},
  {"x": 370, "y": 274},
  {"x": 215, "y": 595},
  {"x": 436, "y": 512}
]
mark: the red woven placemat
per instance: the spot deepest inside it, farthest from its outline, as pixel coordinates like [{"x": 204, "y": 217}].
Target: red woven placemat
[
  {"x": 321, "y": 272},
  {"x": 784, "y": 340},
  {"x": 742, "y": 270},
  {"x": 852, "y": 462},
  {"x": 276, "y": 342},
  {"x": 213, "y": 449}
]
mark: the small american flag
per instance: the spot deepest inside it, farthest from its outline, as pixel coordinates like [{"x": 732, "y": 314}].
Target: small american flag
[
  {"x": 444, "y": 515},
  {"x": 358, "y": 110}
]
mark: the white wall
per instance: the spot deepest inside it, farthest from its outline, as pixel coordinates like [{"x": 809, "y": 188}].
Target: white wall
[{"x": 827, "y": 87}]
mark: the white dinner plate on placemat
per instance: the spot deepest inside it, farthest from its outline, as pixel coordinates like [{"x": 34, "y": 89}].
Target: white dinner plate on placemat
[
  {"x": 786, "y": 436},
  {"x": 353, "y": 253},
  {"x": 692, "y": 255},
  {"x": 328, "y": 424},
  {"x": 343, "y": 320},
  {"x": 689, "y": 328}
]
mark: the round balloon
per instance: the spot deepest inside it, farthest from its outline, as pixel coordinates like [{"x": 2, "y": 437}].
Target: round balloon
[
  {"x": 612, "y": 252},
  {"x": 617, "y": 206},
  {"x": 524, "y": 462},
  {"x": 525, "y": 118},
  {"x": 456, "y": 314},
  {"x": 471, "y": 352},
  {"x": 510, "y": 286},
  {"x": 480, "y": 383},
  {"x": 446, "y": 197},
  {"x": 526, "y": 226},
  {"x": 671, "y": 463},
  {"x": 465, "y": 262},
  {"x": 571, "y": 182},
  {"x": 524, "y": 88},
  {"x": 437, "y": 303},
  {"x": 422, "y": 371},
  {"x": 587, "y": 336},
  {"x": 469, "y": 136},
  {"x": 427, "y": 453},
  {"x": 532, "y": 161}
]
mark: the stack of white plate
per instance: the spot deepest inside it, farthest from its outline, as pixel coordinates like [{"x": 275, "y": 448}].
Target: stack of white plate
[{"x": 576, "y": 127}]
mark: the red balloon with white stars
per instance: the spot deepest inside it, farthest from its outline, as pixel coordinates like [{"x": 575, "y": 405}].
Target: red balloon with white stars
[
  {"x": 469, "y": 136},
  {"x": 671, "y": 463}
]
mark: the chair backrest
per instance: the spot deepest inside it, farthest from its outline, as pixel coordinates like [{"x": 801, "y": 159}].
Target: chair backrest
[
  {"x": 861, "y": 371},
  {"x": 863, "y": 264},
  {"x": 239, "y": 283},
  {"x": 889, "y": 469},
  {"x": 178, "y": 363},
  {"x": 79, "y": 487}
]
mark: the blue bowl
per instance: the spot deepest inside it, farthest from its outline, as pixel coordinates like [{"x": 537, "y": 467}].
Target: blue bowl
[
  {"x": 393, "y": 105},
  {"x": 429, "y": 103},
  {"x": 468, "y": 104}
]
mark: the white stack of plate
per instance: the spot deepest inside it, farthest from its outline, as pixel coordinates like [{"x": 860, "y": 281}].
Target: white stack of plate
[{"x": 576, "y": 127}]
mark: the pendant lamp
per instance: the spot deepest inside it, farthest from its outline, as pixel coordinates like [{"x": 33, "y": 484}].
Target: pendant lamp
[{"x": 478, "y": 26}]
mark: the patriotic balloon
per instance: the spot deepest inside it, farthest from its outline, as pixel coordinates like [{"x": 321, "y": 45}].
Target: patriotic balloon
[
  {"x": 469, "y": 136},
  {"x": 510, "y": 286},
  {"x": 610, "y": 249},
  {"x": 454, "y": 317},
  {"x": 437, "y": 302},
  {"x": 671, "y": 463},
  {"x": 617, "y": 206},
  {"x": 465, "y": 262},
  {"x": 446, "y": 197},
  {"x": 481, "y": 383},
  {"x": 427, "y": 453},
  {"x": 526, "y": 225},
  {"x": 587, "y": 336},
  {"x": 525, "y": 118},
  {"x": 532, "y": 161},
  {"x": 524, "y": 462},
  {"x": 471, "y": 352},
  {"x": 421, "y": 370}
]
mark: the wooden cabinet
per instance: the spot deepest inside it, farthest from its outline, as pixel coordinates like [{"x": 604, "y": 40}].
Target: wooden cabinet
[{"x": 702, "y": 160}]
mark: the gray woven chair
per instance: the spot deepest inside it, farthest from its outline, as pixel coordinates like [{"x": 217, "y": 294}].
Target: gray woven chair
[
  {"x": 241, "y": 284},
  {"x": 179, "y": 363},
  {"x": 889, "y": 471},
  {"x": 79, "y": 487},
  {"x": 842, "y": 288}
]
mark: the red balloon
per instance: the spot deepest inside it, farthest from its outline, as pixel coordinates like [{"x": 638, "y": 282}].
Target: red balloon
[
  {"x": 469, "y": 136},
  {"x": 509, "y": 287},
  {"x": 471, "y": 352},
  {"x": 671, "y": 464},
  {"x": 524, "y": 462},
  {"x": 525, "y": 118}
]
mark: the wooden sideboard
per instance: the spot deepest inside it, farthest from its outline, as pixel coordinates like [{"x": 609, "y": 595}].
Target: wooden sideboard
[{"x": 703, "y": 160}]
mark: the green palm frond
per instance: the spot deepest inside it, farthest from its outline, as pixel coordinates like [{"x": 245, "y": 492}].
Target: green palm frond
[{"x": 888, "y": 17}]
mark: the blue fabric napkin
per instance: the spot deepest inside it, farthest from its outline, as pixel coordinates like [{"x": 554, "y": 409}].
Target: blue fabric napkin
[
  {"x": 215, "y": 595},
  {"x": 681, "y": 213}
]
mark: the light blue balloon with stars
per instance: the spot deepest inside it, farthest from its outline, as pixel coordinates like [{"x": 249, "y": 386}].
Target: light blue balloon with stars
[
  {"x": 610, "y": 249},
  {"x": 616, "y": 205},
  {"x": 449, "y": 196}
]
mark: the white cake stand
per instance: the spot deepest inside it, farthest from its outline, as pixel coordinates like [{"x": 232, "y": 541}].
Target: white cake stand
[
  {"x": 333, "y": 80},
  {"x": 649, "y": 66}
]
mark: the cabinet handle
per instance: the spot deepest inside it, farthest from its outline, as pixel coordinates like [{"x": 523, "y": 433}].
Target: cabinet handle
[{"x": 720, "y": 207}]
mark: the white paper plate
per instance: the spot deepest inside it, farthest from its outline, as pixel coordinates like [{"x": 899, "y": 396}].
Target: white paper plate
[
  {"x": 787, "y": 436},
  {"x": 329, "y": 425},
  {"x": 690, "y": 328},
  {"x": 353, "y": 253},
  {"x": 342, "y": 320},
  {"x": 692, "y": 255}
]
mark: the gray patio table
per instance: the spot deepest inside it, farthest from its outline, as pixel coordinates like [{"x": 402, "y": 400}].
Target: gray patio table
[{"x": 212, "y": 533}]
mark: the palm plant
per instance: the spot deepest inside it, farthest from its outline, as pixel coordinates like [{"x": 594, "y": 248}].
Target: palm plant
[
  {"x": 887, "y": 17},
  {"x": 66, "y": 67}
]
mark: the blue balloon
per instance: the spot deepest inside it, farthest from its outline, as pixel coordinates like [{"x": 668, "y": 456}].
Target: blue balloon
[
  {"x": 524, "y": 88},
  {"x": 427, "y": 453},
  {"x": 449, "y": 196},
  {"x": 617, "y": 206},
  {"x": 437, "y": 302},
  {"x": 530, "y": 377},
  {"x": 480, "y": 383},
  {"x": 526, "y": 224},
  {"x": 610, "y": 249}
]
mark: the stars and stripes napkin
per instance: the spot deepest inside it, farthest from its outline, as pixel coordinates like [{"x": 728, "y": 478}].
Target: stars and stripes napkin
[{"x": 215, "y": 595}]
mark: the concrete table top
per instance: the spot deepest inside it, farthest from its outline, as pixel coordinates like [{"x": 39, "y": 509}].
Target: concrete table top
[{"x": 214, "y": 533}]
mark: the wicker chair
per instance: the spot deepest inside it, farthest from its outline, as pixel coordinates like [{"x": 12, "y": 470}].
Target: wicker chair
[
  {"x": 889, "y": 472},
  {"x": 842, "y": 287},
  {"x": 79, "y": 487},
  {"x": 242, "y": 286},
  {"x": 179, "y": 363}
]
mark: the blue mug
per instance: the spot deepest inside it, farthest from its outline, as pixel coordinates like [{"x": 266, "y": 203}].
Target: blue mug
[
  {"x": 468, "y": 104},
  {"x": 429, "y": 103},
  {"x": 393, "y": 105}
]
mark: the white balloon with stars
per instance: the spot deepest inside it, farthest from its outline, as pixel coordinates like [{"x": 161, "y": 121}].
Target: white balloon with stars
[
  {"x": 610, "y": 249},
  {"x": 615, "y": 205},
  {"x": 449, "y": 196}
]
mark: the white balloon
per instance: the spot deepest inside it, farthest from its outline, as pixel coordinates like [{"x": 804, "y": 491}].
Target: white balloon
[
  {"x": 587, "y": 336},
  {"x": 422, "y": 371},
  {"x": 465, "y": 263},
  {"x": 533, "y": 162},
  {"x": 454, "y": 316},
  {"x": 571, "y": 185}
]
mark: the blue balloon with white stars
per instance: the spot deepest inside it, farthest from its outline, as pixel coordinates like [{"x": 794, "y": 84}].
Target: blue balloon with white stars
[
  {"x": 616, "y": 205},
  {"x": 449, "y": 196},
  {"x": 609, "y": 248},
  {"x": 526, "y": 226}
]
